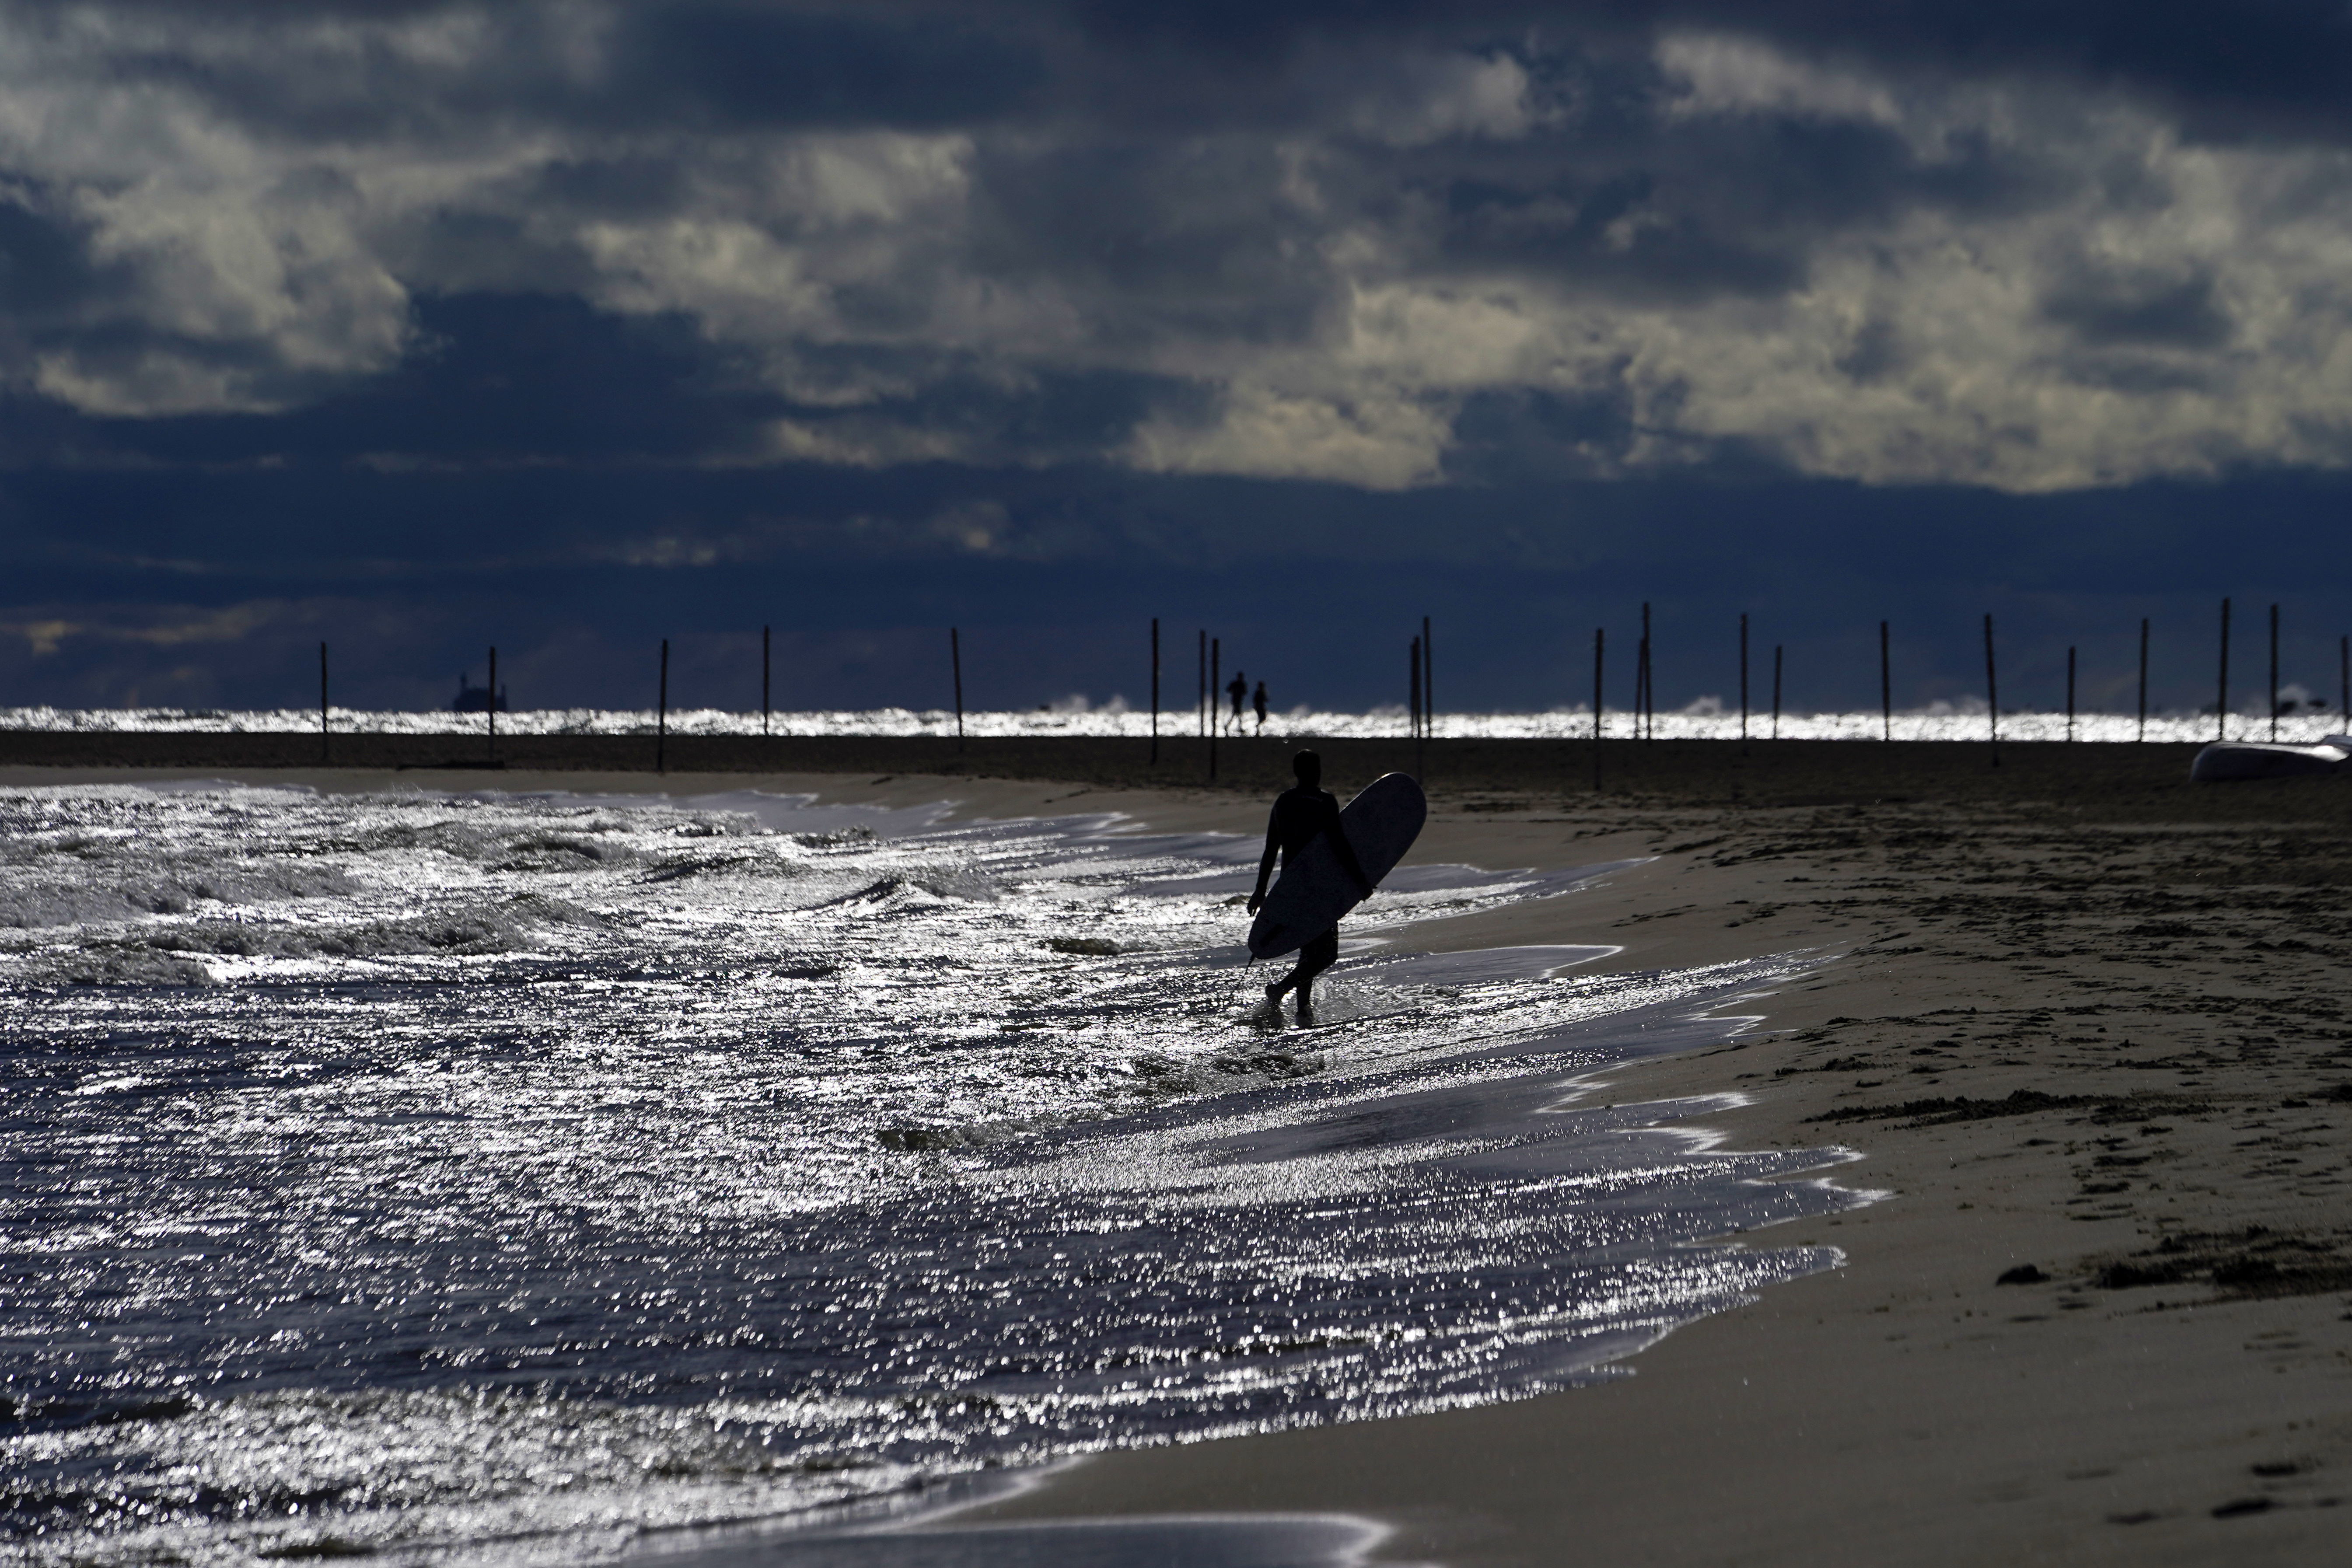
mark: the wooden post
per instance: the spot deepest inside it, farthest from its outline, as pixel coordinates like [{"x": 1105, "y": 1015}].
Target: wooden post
[
  {"x": 322, "y": 702},
  {"x": 2221, "y": 708},
  {"x": 1775, "y": 692},
  {"x": 1201, "y": 699},
  {"x": 955, "y": 664},
  {"x": 1412, "y": 699},
  {"x": 1885, "y": 689},
  {"x": 2143, "y": 680},
  {"x": 2273, "y": 673},
  {"x": 1155, "y": 692},
  {"x": 1413, "y": 690},
  {"x": 1597, "y": 632},
  {"x": 661, "y": 715},
  {"x": 2343, "y": 654},
  {"x": 2070, "y": 693},
  {"x": 1992, "y": 694},
  {"x": 1743, "y": 683},
  {"x": 1641, "y": 684},
  {"x": 765, "y": 667},
  {"x": 1216, "y": 673},
  {"x": 1649, "y": 719},
  {"x": 1428, "y": 683},
  {"x": 494, "y": 704}
]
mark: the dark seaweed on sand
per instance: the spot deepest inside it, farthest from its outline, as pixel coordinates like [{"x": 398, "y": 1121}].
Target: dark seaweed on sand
[
  {"x": 2255, "y": 1261},
  {"x": 2020, "y": 1102},
  {"x": 1958, "y": 1108}
]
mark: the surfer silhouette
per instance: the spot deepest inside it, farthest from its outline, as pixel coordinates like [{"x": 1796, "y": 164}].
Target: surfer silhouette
[
  {"x": 1238, "y": 689},
  {"x": 1258, "y": 702},
  {"x": 1300, "y": 814}
]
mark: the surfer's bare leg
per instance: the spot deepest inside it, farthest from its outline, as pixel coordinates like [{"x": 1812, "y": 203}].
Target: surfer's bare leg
[{"x": 1313, "y": 959}]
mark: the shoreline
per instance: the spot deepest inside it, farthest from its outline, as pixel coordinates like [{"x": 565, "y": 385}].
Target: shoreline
[
  {"x": 2120, "y": 1074},
  {"x": 2102, "y": 1020},
  {"x": 1730, "y": 772}
]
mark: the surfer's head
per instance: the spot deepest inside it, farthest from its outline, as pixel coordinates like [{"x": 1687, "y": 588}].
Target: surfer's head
[{"x": 1309, "y": 766}]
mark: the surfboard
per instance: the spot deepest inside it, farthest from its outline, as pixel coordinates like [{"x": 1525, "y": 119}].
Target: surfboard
[{"x": 1313, "y": 892}]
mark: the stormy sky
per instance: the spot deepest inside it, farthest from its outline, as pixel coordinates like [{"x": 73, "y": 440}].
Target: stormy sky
[{"x": 570, "y": 326}]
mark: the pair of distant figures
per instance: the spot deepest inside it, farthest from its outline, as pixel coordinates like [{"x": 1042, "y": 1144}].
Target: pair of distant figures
[{"x": 1238, "y": 689}]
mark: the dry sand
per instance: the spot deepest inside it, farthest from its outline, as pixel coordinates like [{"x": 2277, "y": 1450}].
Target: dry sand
[{"x": 2075, "y": 1014}]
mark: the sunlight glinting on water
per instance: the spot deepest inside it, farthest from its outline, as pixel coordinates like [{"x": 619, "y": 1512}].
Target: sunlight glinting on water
[
  {"x": 1076, "y": 718},
  {"x": 503, "y": 1175}
]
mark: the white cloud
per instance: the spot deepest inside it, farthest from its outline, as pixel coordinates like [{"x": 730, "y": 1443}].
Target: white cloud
[
  {"x": 2125, "y": 305},
  {"x": 1450, "y": 96},
  {"x": 1380, "y": 437},
  {"x": 1717, "y": 73}
]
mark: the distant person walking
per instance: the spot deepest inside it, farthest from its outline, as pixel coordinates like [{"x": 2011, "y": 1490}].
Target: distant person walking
[
  {"x": 1300, "y": 814},
  {"x": 1259, "y": 701},
  {"x": 1238, "y": 689}
]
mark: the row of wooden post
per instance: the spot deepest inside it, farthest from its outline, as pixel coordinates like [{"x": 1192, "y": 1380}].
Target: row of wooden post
[
  {"x": 1644, "y": 707},
  {"x": 1422, "y": 685}
]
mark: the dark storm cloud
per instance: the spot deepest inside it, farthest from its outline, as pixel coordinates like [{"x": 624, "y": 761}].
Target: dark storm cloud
[
  {"x": 494, "y": 380},
  {"x": 607, "y": 322},
  {"x": 1155, "y": 239},
  {"x": 1313, "y": 586},
  {"x": 2267, "y": 67},
  {"x": 44, "y": 267},
  {"x": 1321, "y": 231},
  {"x": 2274, "y": 66},
  {"x": 2110, "y": 310},
  {"x": 759, "y": 65}
]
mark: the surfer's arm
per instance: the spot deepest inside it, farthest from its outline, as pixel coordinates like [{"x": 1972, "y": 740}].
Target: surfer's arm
[{"x": 1266, "y": 861}]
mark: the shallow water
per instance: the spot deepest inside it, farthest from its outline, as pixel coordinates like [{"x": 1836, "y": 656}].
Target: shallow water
[{"x": 501, "y": 1176}]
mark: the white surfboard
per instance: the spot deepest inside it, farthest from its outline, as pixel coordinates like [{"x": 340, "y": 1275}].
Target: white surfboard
[
  {"x": 1313, "y": 892},
  {"x": 2259, "y": 759}
]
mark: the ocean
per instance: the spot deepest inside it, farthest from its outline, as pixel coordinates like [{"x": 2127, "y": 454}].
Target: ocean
[
  {"x": 1709, "y": 720},
  {"x": 500, "y": 1178}
]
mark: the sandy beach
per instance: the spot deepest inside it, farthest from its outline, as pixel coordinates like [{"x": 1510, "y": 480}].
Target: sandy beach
[
  {"x": 2093, "y": 1036},
  {"x": 2081, "y": 1021}
]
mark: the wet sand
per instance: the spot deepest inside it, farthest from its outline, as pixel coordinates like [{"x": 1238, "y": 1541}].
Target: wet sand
[
  {"x": 2079, "y": 1017},
  {"x": 2098, "y": 1035},
  {"x": 1768, "y": 771}
]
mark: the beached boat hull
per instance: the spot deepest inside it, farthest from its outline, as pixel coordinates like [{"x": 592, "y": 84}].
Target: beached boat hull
[{"x": 2224, "y": 761}]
